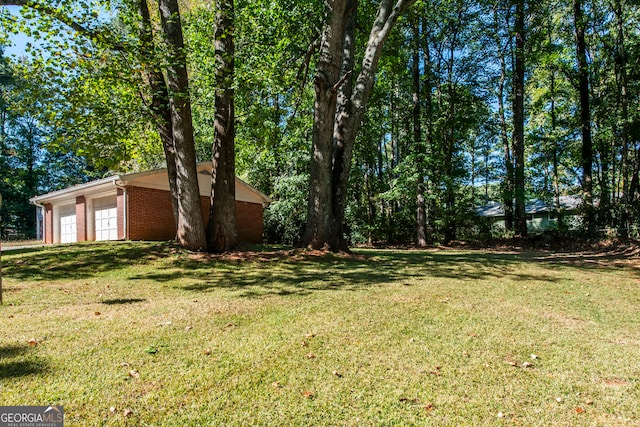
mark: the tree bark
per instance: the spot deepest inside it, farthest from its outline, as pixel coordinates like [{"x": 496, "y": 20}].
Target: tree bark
[
  {"x": 191, "y": 230},
  {"x": 336, "y": 127},
  {"x": 585, "y": 116},
  {"x": 518, "y": 120},
  {"x": 160, "y": 106},
  {"x": 222, "y": 233},
  {"x": 318, "y": 232}
]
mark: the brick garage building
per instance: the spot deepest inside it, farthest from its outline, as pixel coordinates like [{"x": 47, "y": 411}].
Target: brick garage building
[{"x": 136, "y": 206}]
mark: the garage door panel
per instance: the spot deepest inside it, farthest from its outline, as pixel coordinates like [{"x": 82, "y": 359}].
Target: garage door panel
[
  {"x": 106, "y": 219},
  {"x": 68, "y": 229}
]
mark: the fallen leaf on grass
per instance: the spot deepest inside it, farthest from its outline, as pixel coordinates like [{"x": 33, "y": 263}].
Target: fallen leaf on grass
[
  {"x": 614, "y": 382},
  {"x": 579, "y": 410},
  {"x": 206, "y": 351},
  {"x": 33, "y": 342},
  {"x": 311, "y": 356},
  {"x": 188, "y": 328},
  {"x": 127, "y": 412},
  {"x": 309, "y": 335},
  {"x": 526, "y": 365},
  {"x": 337, "y": 374},
  {"x": 134, "y": 373},
  {"x": 429, "y": 407},
  {"x": 308, "y": 394},
  {"x": 97, "y": 313},
  {"x": 303, "y": 344},
  {"x": 112, "y": 409},
  {"x": 276, "y": 384},
  {"x": 588, "y": 402}
]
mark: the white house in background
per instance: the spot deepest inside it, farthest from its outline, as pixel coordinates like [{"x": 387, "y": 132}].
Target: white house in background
[{"x": 541, "y": 215}]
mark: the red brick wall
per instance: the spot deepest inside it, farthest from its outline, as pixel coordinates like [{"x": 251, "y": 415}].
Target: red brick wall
[
  {"x": 150, "y": 216},
  {"x": 48, "y": 223},
  {"x": 81, "y": 218},
  {"x": 250, "y": 224},
  {"x": 120, "y": 207}
]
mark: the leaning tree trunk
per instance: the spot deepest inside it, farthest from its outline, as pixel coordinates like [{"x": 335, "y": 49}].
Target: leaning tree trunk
[
  {"x": 337, "y": 126},
  {"x": 518, "y": 121},
  {"x": 222, "y": 233},
  {"x": 585, "y": 116},
  {"x": 191, "y": 230},
  {"x": 160, "y": 106}
]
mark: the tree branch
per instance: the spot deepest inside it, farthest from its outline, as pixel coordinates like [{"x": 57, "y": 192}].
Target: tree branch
[
  {"x": 340, "y": 82},
  {"x": 65, "y": 19}
]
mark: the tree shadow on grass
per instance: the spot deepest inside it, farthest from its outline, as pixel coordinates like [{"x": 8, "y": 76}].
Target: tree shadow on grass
[
  {"x": 284, "y": 272},
  {"x": 15, "y": 362},
  {"x": 122, "y": 301},
  {"x": 79, "y": 261},
  {"x": 289, "y": 273}
]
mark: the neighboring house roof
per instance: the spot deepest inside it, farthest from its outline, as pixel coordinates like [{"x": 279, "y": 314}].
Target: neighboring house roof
[
  {"x": 567, "y": 203},
  {"x": 149, "y": 179}
]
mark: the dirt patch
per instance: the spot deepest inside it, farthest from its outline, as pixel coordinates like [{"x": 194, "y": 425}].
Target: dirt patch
[{"x": 616, "y": 382}]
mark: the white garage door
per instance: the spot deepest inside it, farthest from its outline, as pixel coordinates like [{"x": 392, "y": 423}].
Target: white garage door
[
  {"x": 68, "y": 229},
  {"x": 106, "y": 215}
]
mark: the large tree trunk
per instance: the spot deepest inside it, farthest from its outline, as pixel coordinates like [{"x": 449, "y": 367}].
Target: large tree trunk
[
  {"x": 335, "y": 128},
  {"x": 318, "y": 231},
  {"x": 160, "y": 106},
  {"x": 585, "y": 115},
  {"x": 518, "y": 120},
  {"x": 222, "y": 234},
  {"x": 191, "y": 230}
]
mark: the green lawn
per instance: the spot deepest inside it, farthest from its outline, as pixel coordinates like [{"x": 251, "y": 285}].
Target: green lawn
[{"x": 145, "y": 334}]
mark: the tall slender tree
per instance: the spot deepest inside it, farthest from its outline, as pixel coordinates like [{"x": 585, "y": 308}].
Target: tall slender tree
[
  {"x": 518, "y": 118},
  {"x": 585, "y": 114}
]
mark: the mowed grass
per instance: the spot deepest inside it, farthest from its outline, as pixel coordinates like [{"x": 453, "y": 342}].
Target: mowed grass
[{"x": 134, "y": 334}]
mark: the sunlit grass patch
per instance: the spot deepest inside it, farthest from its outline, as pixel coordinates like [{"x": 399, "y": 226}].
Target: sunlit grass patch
[{"x": 144, "y": 333}]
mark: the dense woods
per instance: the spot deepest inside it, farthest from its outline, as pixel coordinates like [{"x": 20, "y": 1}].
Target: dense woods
[{"x": 381, "y": 122}]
